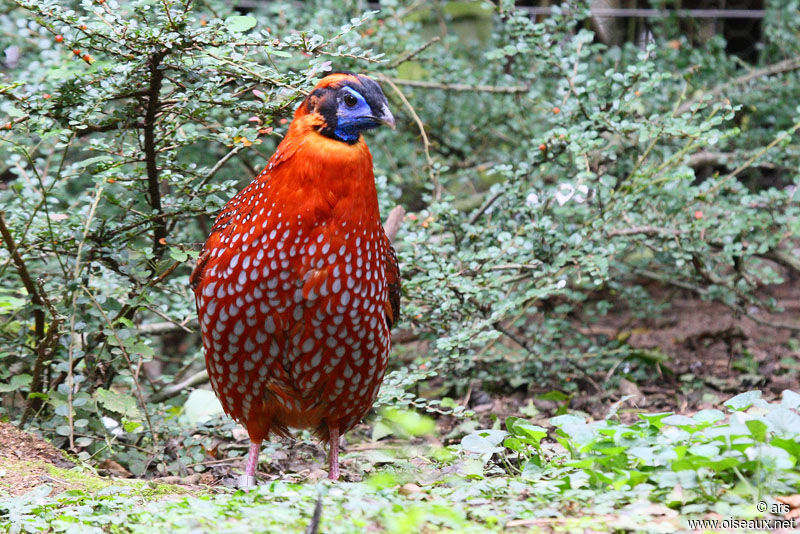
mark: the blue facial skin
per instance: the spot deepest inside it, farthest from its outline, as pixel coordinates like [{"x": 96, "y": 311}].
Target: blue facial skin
[{"x": 354, "y": 118}]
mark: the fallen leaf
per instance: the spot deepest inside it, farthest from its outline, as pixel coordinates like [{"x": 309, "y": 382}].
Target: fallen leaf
[
  {"x": 114, "y": 469},
  {"x": 409, "y": 489}
]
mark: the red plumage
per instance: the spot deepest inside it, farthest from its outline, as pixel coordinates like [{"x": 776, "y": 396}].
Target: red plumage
[{"x": 297, "y": 285}]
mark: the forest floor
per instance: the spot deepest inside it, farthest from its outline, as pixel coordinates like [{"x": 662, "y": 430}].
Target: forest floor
[{"x": 400, "y": 484}]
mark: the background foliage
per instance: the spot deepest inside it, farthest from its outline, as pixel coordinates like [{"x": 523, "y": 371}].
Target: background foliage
[{"x": 550, "y": 177}]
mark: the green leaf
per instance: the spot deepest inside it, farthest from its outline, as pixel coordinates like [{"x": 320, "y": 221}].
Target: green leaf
[
  {"x": 483, "y": 441},
  {"x": 707, "y": 451},
  {"x": 10, "y": 304},
  {"x": 678, "y": 420},
  {"x": 655, "y": 419},
  {"x": 758, "y": 429},
  {"x": 279, "y": 53},
  {"x": 783, "y": 421},
  {"x": 16, "y": 383},
  {"x": 555, "y": 395},
  {"x": 117, "y": 402},
  {"x": 791, "y": 400},
  {"x": 240, "y": 23},
  {"x": 525, "y": 431},
  {"x": 178, "y": 254},
  {"x": 201, "y": 406},
  {"x": 743, "y": 401},
  {"x": 409, "y": 423}
]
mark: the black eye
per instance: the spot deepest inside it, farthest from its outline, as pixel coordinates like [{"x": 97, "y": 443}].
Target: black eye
[{"x": 350, "y": 101}]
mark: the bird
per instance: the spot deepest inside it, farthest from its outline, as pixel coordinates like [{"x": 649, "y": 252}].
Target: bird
[{"x": 298, "y": 285}]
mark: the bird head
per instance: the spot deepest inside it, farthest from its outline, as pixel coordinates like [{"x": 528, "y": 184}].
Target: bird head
[{"x": 347, "y": 104}]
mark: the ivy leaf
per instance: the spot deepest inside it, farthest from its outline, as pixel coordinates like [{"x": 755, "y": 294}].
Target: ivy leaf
[
  {"x": 483, "y": 442},
  {"x": 790, "y": 400},
  {"x": 743, "y": 401}
]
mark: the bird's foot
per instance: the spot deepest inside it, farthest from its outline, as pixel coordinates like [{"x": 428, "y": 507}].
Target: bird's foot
[{"x": 246, "y": 482}]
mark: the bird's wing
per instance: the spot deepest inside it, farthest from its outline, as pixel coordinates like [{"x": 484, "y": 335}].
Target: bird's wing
[{"x": 393, "y": 281}]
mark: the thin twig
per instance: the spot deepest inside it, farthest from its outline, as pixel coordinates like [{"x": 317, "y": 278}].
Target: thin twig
[
  {"x": 167, "y": 327},
  {"x": 511, "y": 89},
  {"x": 76, "y": 273},
  {"x": 134, "y": 374},
  {"x": 313, "y": 526},
  {"x": 407, "y": 56},
  {"x": 485, "y": 206},
  {"x": 754, "y": 157},
  {"x": 426, "y": 144},
  {"x": 522, "y": 343},
  {"x": 235, "y": 150}
]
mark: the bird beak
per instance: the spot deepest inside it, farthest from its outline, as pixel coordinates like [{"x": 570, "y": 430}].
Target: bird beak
[{"x": 386, "y": 117}]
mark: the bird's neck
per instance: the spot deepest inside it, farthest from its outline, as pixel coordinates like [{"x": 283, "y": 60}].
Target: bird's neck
[{"x": 322, "y": 178}]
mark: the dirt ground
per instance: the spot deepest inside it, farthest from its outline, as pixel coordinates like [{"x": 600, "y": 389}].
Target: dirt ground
[
  {"x": 706, "y": 355},
  {"x": 24, "y": 459}
]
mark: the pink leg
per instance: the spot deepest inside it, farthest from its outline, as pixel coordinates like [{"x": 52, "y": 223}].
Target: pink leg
[
  {"x": 248, "y": 480},
  {"x": 333, "y": 455}
]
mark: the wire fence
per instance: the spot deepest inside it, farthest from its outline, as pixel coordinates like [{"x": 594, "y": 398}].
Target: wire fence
[
  {"x": 615, "y": 12},
  {"x": 622, "y": 12}
]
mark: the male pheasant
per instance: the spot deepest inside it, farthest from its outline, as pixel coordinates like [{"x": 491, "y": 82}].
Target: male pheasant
[{"x": 298, "y": 285}]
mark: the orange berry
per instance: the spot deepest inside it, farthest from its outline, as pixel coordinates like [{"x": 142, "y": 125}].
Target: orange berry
[
  {"x": 59, "y": 38},
  {"x": 83, "y": 26},
  {"x": 698, "y": 214},
  {"x": 76, "y": 52},
  {"x": 556, "y": 110},
  {"x": 543, "y": 147},
  {"x": 88, "y": 59},
  {"x": 283, "y": 121},
  {"x": 637, "y": 93},
  {"x": 163, "y": 241},
  {"x": 7, "y": 126},
  {"x": 46, "y": 96},
  {"x": 111, "y": 180}
]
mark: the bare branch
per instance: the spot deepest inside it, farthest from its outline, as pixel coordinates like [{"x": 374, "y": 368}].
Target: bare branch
[
  {"x": 42, "y": 342},
  {"x": 200, "y": 377},
  {"x": 645, "y": 230},
  {"x": 393, "y": 222},
  {"x": 780, "y": 67},
  {"x": 153, "y": 185}
]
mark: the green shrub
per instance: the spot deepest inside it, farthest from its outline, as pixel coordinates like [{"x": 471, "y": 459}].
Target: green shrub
[{"x": 554, "y": 176}]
